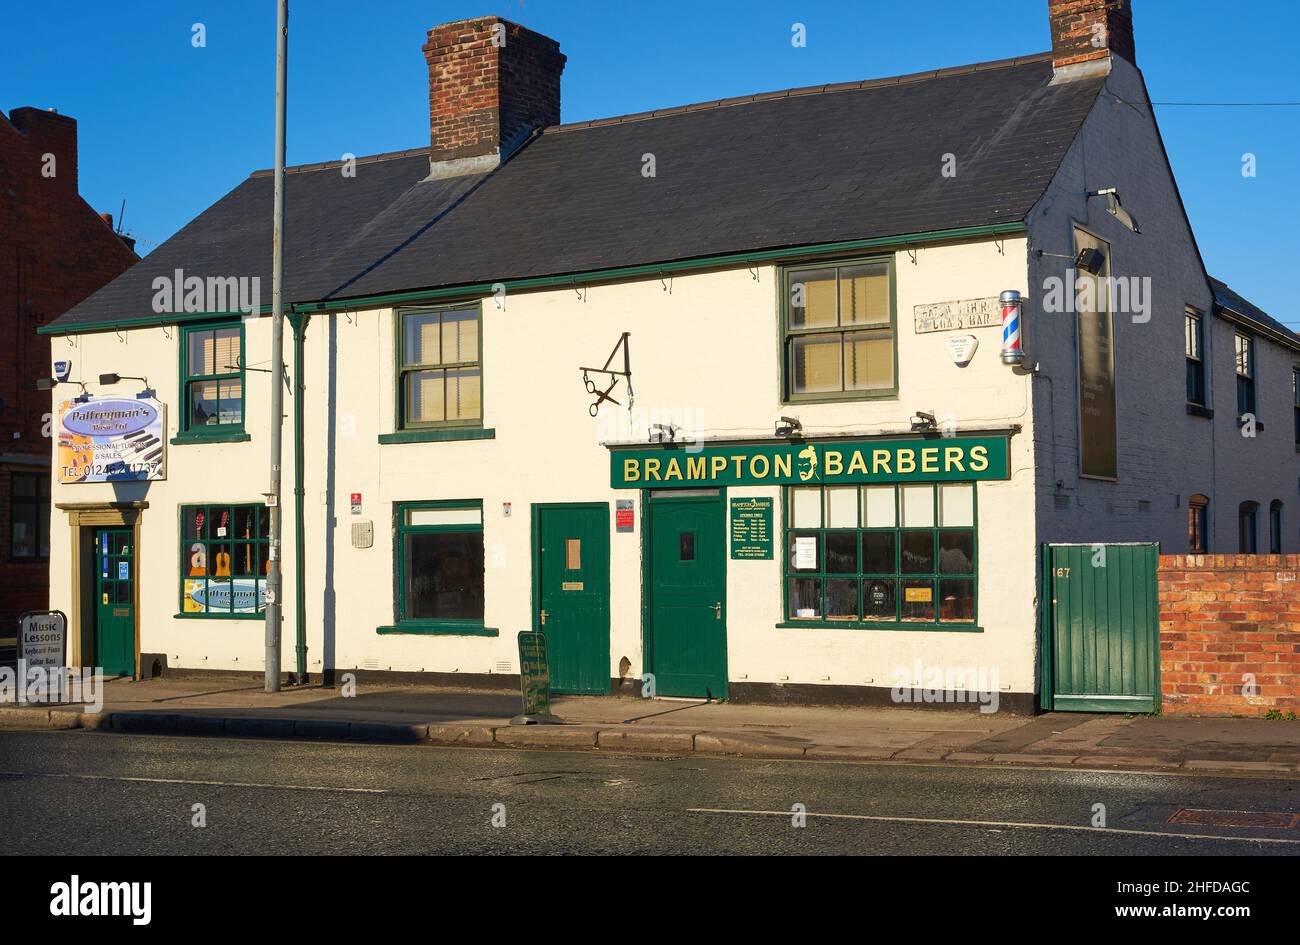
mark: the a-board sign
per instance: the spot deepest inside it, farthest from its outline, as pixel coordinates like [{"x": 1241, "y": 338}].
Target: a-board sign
[
  {"x": 43, "y": 639},
  {"x": 751, "y": 527},
  {"x": 534, "y": 673}
]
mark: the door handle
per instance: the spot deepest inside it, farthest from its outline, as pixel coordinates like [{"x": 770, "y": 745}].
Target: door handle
[
  {"x": 717, "y": 610},
  {"x": 543, "y": 615}
]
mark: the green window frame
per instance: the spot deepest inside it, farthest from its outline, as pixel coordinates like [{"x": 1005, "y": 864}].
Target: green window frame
[
  {"x": 852, "y": 554},
  {"x": 839, "y": 330},
  {"x": 212, "y": 380},
  {"x": 439, "y": 366},
  {"x": 224, "y": 555},
  {"x": 29, "y": 516},
  {"x": 439, "y": 573}
]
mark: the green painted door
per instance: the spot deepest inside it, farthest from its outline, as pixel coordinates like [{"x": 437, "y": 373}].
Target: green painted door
[
  {"x": 686, "y": 590},
  {"x": 1103, "y": 628},
  {"x": 571, "y": 594},
  {"x": 115, "y": 601}
]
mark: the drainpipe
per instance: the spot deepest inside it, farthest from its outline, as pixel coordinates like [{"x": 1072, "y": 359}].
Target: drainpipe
[{"x": 298, "y": 322}]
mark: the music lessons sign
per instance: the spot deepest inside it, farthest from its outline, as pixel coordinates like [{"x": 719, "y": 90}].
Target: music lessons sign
[
  {"x": 955, "y": 459},
  {"x": 112, "y": 439}
]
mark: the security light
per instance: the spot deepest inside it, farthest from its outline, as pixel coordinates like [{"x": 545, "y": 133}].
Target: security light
[
  {"x": 1115, "y": 208},
  {"x": 1090, "y": 260},
  {"x": 45, "y": 383},
  {"x": 923, "y": 422},
  {"x": 115, "y": 378},
  {"x": 788, "y": 427}
]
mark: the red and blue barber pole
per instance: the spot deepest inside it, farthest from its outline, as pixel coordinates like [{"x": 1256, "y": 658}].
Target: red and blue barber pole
[{"x": 1012, "y": 307}]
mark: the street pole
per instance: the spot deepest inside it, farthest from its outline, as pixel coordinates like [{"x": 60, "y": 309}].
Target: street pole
[{"x": 273, "y": 573}]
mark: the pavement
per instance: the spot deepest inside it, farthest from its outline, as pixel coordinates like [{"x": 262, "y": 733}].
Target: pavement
[{"x": 237, "y": 706}]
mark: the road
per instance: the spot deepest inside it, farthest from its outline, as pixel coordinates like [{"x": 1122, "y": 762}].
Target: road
[{"x": 82, "y": 792}]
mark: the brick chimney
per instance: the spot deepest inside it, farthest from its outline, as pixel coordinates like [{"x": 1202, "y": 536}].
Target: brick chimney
[
  {"x": 48, "y": 132},
  {"x": 491, "y": 84},
  {"x": 1086, "y": 33}
]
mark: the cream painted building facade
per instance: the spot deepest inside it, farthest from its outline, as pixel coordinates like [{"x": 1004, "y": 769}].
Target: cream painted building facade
[{"x": 866, "y": 493}]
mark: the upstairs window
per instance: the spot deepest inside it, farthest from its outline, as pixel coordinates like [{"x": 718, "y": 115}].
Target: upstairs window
[
  {"x": 440, "y": 376},
  {"x": 1245, "y": 374},
  {"x": 212, "y": 380},
  {"x": 1198, "y": 524},
  {"x": 1275, "y": 528},
  {"x": 1195, "y": 341},
  {"x": 838, "y": 331},
  {"x": 1295, "y": 399}
]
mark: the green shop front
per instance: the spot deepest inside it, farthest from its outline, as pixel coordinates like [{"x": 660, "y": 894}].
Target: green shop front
[{"x": 869, "y": 534}]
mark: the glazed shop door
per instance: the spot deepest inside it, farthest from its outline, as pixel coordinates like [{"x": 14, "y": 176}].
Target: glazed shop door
[
  {"x": 571, "y": 594},
  {"x": 1102, "y": 628},
  {"x": 114, "y": 601},
  {"x": 685, "y": 587}
]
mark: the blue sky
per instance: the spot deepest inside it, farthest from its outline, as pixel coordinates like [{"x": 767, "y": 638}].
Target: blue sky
[{"x": 171, "y": 128}]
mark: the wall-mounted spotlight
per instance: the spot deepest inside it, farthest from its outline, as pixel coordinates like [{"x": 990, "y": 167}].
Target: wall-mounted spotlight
[
  {"x": 923, "y": 422},
  {"x": 49, "y": 383},
  {"x": 663, "y": 432},
  {"x": 788, "y": 427},
  {"x": 107, "y": 379},
  {"x": 1092, "y": 261},
  {"x": 1115, "y": 208}
]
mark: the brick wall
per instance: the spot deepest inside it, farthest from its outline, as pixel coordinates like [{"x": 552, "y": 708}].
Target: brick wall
[
  {"x": 1223, "y": 620},
  {"x": 486, "y": 96}
]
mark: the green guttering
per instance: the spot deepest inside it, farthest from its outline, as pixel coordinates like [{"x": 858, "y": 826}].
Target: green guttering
[
  {"x": 298, "y": 321},
  {"x": 147, "y": 321},
  {"x": 576, "y": 279}
]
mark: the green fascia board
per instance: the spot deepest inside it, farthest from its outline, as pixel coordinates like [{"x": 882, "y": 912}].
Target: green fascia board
[
  {"x": 898, "y": 241},
  {"x": 147, "y": 321}
]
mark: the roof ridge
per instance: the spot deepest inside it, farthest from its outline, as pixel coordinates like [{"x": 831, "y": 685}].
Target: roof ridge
[
  {"x": 862, "y": 84},
  {"x": 329, "y": 165}
]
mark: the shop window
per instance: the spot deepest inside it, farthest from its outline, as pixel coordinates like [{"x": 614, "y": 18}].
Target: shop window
[
  {"x": 1198, "y": 524},
  {"x": 1245, "y": 347},
  {"x": 1275, "y": 528},
  {"x": 212, "y": 380},
  {"x": 1247, "y": 527},
  {"x": 29, "y": 516},
  {"x": 871, "y": 556},
  {"x": 224, "y": 558},
  {"x": 440, "y": 375},
  {"x": 439, "y": 554},
  {"x": 838, "y": 331},
  {"x": 1195, "y": 343}
]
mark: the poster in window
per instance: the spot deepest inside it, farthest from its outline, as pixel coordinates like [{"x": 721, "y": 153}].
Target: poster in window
[{"x": 1097, "y": 444}]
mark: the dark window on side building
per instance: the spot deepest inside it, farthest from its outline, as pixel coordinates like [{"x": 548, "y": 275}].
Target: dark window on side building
[{"x": 29, "y": 516}]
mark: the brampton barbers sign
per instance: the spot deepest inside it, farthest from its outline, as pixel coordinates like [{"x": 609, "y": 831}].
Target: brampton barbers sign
[
  {"x": 952, "y": 459},
  {"x": 112, "y": 439}
]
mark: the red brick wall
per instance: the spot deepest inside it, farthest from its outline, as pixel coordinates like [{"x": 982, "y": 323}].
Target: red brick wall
[
  {"x": 1079, "y": 25},
  {"x": 484, "y": 96},
  {"x": 1224, "y": 619},
  {"x": 54, "y": 251}
]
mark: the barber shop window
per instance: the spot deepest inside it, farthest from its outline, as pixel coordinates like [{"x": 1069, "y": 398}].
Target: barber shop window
[
  {"x": 439, "y": 558},
  {"x": 29, "y": 516},
  {"x": 838, "y": 331},
  {"x": 212, "y": 380},
  {"x": 440, "y": 374},
  {"x": 224, "y": 558},
  {"x": 895, "y": 556}
]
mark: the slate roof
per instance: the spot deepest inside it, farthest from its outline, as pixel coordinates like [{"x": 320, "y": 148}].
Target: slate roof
[
  {"x": 1233, "y": 304},
  {"x": 801, "y": 167}
]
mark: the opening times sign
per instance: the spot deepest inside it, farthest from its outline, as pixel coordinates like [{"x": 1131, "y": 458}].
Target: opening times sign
[{"x": 952, "y": 459}]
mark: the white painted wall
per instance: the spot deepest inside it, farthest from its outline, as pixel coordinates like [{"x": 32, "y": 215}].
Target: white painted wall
[
  {"x": 1165, "y": 454},
  {"x": 705, "y": 355}
]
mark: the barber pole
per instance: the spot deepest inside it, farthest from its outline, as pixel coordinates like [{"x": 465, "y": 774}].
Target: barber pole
[{"x": 1012, "y": 305}]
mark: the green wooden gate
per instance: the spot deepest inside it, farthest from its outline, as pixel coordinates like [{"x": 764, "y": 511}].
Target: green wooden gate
[{"x": 1101, "y": 628}]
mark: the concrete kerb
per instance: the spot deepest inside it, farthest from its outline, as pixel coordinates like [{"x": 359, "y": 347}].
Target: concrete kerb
[{"x": 590, "y": 737}]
